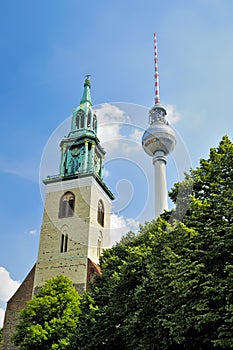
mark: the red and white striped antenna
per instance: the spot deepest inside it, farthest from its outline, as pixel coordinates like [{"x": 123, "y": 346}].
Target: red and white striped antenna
[{"x": 157, "y": 98}]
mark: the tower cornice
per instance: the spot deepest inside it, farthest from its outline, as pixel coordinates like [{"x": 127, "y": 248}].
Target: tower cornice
[{"x": 60, "y": 179}]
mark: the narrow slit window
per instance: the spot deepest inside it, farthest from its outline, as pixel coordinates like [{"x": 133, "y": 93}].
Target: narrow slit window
[
  {"x": 64, "y": 243},
  {"x": 94, "y": 127},
  {"x": 89, "y": 120}
]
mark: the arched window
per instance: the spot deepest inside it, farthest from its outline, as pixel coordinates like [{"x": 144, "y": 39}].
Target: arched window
[
  {"x": 100, "y": 214},
  {"x": 66, "y": 205}
]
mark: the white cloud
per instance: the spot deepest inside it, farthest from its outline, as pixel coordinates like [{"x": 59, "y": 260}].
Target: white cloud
[
  {"x": 33, "y": 232},
  {"x": 7, "y": 288},
  {"x": 2, "y": 313},
  {"x": 120, "y": 226},
  {"x": 108, "y": 112},
  {"x": 116, "y": 132},
  {"x": 110, "y": 121},
  {"x": 172, "y": 115},
  {"x": 136, "y": 135}
]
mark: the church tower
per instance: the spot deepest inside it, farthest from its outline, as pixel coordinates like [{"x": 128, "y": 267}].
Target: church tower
[{"x": 76, "y": 221}]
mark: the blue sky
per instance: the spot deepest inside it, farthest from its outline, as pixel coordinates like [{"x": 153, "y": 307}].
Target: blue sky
[{"x": 48, "y": 46}]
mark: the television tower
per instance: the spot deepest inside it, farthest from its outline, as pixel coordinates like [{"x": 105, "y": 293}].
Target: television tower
[{"x": 158, "y": 141}]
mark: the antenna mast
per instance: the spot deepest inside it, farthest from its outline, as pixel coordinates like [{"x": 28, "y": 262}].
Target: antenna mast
[{"x": 157, "y": 98}]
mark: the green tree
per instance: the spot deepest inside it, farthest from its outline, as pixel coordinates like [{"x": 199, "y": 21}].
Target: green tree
[
  {"x": 0, "y": 337},
  {"x": 171, "y": 286},
  {"x": 210, "y": 214},
  {"x": 49, "y": 319}
]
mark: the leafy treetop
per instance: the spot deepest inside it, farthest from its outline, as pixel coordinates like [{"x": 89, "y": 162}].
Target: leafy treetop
[
  {"x": 50, "y": 318},
  {"x": 170, "y": 287}
]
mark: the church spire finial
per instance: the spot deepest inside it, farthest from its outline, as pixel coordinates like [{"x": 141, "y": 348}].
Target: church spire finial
[
  {"x": 87, "y": 80},
  {"x": 86, "y": 93}
]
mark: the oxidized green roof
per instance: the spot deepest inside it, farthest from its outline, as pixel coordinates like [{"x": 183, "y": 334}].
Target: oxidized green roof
[{"x": 81, "y": 152}]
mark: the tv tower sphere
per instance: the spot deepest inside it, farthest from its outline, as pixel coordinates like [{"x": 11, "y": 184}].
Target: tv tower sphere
[
  {"x": 158, "y": 141},
  {"x": 159, "y": 137}
]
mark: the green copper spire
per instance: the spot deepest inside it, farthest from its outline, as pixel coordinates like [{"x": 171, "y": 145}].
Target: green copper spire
[
  {"x": 84, "y": 118},
  {"x": 81, "y": 152},
  {"x": 86, "y": 98}
]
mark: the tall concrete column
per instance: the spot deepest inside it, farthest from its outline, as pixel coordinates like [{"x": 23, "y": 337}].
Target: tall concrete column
[{"x": 161, "y": 203}]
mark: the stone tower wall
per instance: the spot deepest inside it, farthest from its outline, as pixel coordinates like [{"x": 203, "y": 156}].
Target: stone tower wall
[
  {"x": 82, "y": 229},
  {"x": 72, "y": 263},
  {"x": 14, "y": 306},
  {"x": 98, "y": 231}
]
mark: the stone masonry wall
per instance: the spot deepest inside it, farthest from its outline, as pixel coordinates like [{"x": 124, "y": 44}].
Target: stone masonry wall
[
  {"x": 73, "y": 262},
  {"x": 14, "y": 306}
]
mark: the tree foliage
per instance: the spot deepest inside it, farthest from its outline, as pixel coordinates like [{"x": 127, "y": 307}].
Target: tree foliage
[
  {"x": 0, "y": 337},
  {"x": 49, "y": 319},
  {"x": 171, "y": 286}
]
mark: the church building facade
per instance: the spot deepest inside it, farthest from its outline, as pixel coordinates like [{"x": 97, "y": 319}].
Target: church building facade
[{"x": 76, "y": 220}]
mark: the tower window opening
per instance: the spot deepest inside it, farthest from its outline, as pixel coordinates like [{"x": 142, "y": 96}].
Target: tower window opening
[
  {"x": 66, "y": 205},
  {"x": 100, "y": 214},
  {"x": 94, "y": 123},
  {"x": 64, "y": 243},
  {"x": 89, "y": 120},
  {"x": 80, "y": 119},
  {"x": 77, "y": 122}
]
